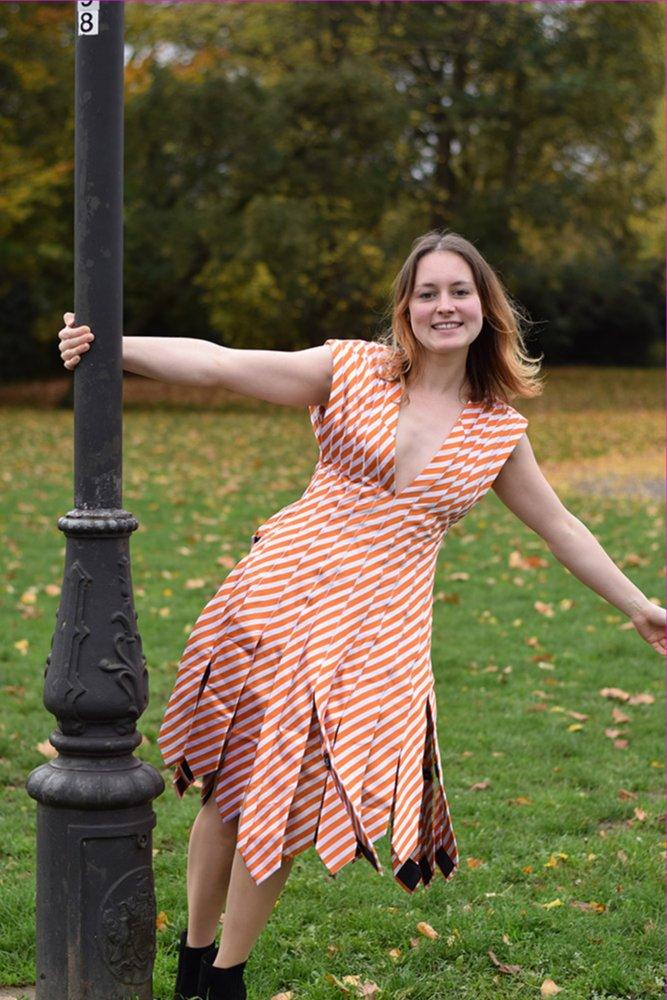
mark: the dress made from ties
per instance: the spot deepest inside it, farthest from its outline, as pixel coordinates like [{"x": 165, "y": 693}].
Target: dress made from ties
[{"x": 305, "y": 695}]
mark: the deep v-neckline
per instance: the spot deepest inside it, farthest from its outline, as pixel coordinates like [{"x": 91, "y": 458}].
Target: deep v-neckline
[{"x": 397, "y": 399}]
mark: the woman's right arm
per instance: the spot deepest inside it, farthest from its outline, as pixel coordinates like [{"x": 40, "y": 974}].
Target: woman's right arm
[{"x": 293, "y": 378}]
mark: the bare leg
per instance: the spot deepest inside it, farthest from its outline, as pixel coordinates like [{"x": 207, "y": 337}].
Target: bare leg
[
  {"x": 210, "y": 856},
  {"x": 249, "y": 907}
]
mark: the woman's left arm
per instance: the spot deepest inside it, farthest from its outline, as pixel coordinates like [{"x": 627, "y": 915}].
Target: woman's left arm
[{"x": 522, "y": 487}]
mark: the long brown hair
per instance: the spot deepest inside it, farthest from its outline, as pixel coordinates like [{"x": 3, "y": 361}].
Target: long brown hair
[{"x": 497, "y": 365}]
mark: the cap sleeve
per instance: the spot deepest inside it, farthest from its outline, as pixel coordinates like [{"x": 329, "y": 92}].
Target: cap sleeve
[{"x": 350, "y": 366}]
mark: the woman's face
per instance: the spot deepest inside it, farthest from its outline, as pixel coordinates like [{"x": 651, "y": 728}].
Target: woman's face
[{"x": 445, "y": 310}]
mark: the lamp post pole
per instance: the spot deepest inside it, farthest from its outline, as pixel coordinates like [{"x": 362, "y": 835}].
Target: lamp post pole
[{"x": 95, "y": 895}]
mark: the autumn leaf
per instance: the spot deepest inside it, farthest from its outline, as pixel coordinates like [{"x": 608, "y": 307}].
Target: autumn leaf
[
  {"x": 617, "y": 693},
  {"x": 623, "y": 793},
  {"x": 544, "y": 609},
  {"x": 46, "y": 749},
  {"x": 474, "y": 862},
  {"x": 549, "y": 988},
  {"x": 480, "y": 786},
  {"x": 282, "y": 996},
  {"x": 394, "y": 954},
  {"x": 641, "y": 699},
  {"x": 427, "y": 930},
  {"x": 161, "y": 921},
  {"x": 555, "y": 858},
  {"x": 619, "y": 716},
  {"x": 552, "y": 904},
  {"x": 52, "y": 589},
  {"x": 593, "y": 906},
  {"x": 330, "y": 978},
  {"x": 509, "y": 970},
  {"x": 29, "y": 597},
  {"x": 194, "y": 584},
  {"x": 22, "y": 645},
  {"x": 520, "y": 800},
  {"x": 640, "y": 814},
  {"x": 226, "y": 561},
  {"x": 518, "y": 561}
]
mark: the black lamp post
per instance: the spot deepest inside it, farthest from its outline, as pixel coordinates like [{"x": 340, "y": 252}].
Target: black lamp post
[{"x": 95, "y": 896}]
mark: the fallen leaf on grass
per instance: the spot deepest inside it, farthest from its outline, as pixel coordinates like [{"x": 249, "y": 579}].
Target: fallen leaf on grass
[
  {"x": 555, "y": 859},
  {"x": 593, "y": 906},
  {"x": 617, "y": 693},
  {"x": 283, "y": 996},
  {"x": 480, "y": 786},
  {"x": 552, "y": 904},
  {"x": 509, "y": 970},
  {"x": 549, "y": 988},
  {"x": 544, "y": 609},
  {"x": 353, "y": 986},
  {"x": 520, "y": 800},
  {"x": 194, "y": 584},
  {"x": 427, "y": 930},
  {"x": 641, "y": 699},
  {"x": 623, "y": 793},
  {"x": 640, "y": 814},
  {"x": 161, "y": 921},
  {"x": 474, "y": 862},
  {"x": 579, "y": 716},
  {"x": 52, "y": 589},
  {"x": 519, "y": 561},
  {"x": 226, "y": 561},
  {"x": 22, "y": 645},
  {"x": 46, "y": 749},
  {"x": 619, "y": 716}
]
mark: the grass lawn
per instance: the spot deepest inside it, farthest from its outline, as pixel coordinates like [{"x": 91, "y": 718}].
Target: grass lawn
[{"x": 559, "y": 820}]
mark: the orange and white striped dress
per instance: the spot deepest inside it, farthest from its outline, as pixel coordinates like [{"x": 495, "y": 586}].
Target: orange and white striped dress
[{"x": 305, "y": 694}]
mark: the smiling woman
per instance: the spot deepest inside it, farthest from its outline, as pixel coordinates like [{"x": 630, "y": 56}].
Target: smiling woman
[
  {"x": 445, "y": 280},
  {"x": 305, "y": 696}
]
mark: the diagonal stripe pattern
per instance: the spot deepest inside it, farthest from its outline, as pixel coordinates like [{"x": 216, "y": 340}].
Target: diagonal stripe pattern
[{"x": 305, "y": 694}]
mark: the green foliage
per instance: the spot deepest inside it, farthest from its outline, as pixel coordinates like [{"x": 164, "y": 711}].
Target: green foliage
[{"x": 280, "y": 160}]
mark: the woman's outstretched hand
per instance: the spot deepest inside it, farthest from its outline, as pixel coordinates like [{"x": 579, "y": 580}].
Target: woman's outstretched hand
[
  {"x": 651, "y": 623},
  {"x": 74, "y": 341}
]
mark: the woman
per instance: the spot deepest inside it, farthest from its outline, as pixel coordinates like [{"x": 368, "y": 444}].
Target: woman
[{"x": 304, "y": 700}]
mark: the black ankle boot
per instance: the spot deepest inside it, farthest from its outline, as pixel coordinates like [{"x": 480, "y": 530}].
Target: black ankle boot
[
  {"x": 189, "y": 964},
  {"x": 221, "y": 984}
]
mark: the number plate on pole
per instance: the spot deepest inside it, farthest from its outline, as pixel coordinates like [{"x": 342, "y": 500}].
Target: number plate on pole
[{"x": 88, "y": 17}]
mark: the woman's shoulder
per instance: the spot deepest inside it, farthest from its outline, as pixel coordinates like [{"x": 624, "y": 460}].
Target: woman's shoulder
[
  {"x": 367, "y": 353},
  {"x": 508, "y": 413}
]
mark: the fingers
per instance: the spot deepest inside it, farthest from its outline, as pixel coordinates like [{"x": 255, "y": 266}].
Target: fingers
[{"x": 74, "y": 341}]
